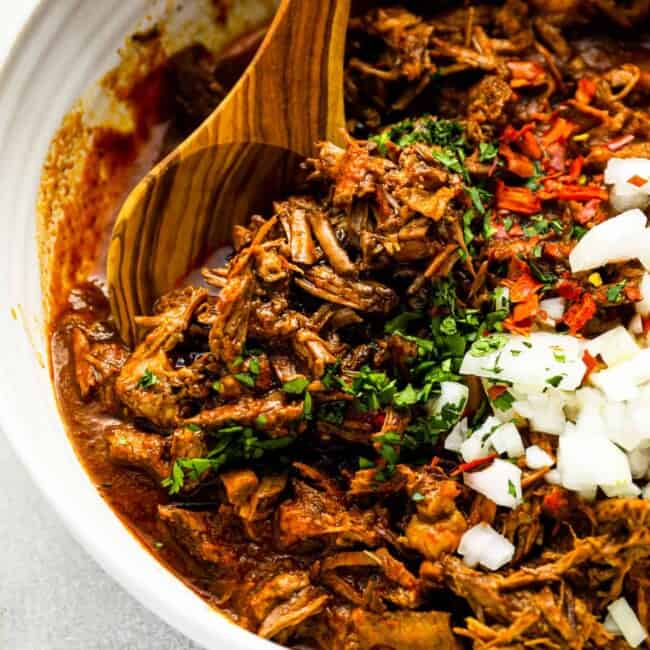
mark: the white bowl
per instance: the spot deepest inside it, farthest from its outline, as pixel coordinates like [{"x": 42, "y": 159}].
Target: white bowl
[{"x": 65, "y": 45}]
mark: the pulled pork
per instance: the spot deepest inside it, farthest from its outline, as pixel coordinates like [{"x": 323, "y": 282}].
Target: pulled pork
[{"x": 287, "y": 409}]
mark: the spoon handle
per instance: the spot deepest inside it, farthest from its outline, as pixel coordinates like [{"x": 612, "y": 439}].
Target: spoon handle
[{"x": 290, "y": 95}]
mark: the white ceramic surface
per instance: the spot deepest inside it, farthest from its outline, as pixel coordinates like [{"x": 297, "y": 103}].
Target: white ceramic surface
[{"x": 65, "y": 45}]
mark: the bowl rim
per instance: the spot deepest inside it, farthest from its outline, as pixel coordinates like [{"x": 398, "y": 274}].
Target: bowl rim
[{"x": 151, "y": 599}]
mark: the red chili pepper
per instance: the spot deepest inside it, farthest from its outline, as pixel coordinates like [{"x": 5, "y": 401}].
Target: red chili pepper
[
  {"x": 576, "y": 168},
  {"x": 591, "y": 363},
  {"x": 559, "y": 132},
  {"x": 637, "y": 181},
  {"x": 619, "y": 143},
  {"x": 523, "y": 287},
  {"x": 632, "y": 293},
  {"x": 495, "y": 391},
  {"x": 586, "y": 90},
  {"x": 517, "y": 163},
  {"x": 580, "y": 193},
  {"x": 517, "y": 199},
  {"x": 558, "y": 251},
  {"x": 474, "y": 464},
  {"x": 569, "y": 289},
  {"x": 556, "y": 503},
  {"x": 580, "y": 313},
  {"x": 530, "y": 146},
  {"x": 525, "y": 311}
]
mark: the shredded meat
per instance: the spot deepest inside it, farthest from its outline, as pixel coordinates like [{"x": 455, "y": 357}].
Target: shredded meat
[{"x": 288, "y": 426}]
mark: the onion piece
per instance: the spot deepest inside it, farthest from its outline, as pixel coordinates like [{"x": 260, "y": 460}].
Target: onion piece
[
  {"x": 643, "y": 306},
  {"x": 623, "y": 194},
  {"x": 610, "y": 625},
  {"x": 478, "y": 444},
  {"x": 536, "y": 458},
  {"x": 457, "y": 435},
  {"x": 544, "y": 411},
  {"x": 614, "y": 346},
  {"x": 506, "y": 440},
  {"x": 553, "y": 477},
  {"x": 452, "y": 394},
  {"x": 615, "y": 240},
  {"x": 554, "y": 307},
  {"x": 628, "y": 623},
  {"x": 622, "y": 382},
  {"x": 607, "y": 464},
  {"x": 621, "y": 490},
  {"x": 501, "y": 482},
  {"x": 645, "y": 493},
  {"x": 639, "y": 461},
  {"x": 535, "y": 363},
  {"x": 482, "y": 545}
]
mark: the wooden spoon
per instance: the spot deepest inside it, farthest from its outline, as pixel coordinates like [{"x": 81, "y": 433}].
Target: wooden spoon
[{"x": 236, "y": 162}]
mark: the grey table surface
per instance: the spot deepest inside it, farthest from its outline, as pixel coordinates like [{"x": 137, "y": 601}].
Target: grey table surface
[{"x": 53, "y": 596}]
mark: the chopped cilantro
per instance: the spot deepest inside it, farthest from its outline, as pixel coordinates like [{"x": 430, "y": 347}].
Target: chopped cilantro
[
  {"x": 512, "y": 490},
  {"x": 147, "y": 380},
  {"x": 417, "y": 497},
  {"x": 307, "y": 409},
  {"x": 261, "y": 421},
  {"x": 401, "y": 322},
  {"x": 488, "y": 344},
  {"x": 487, "y": 151},
  {"x": 547, "y": 277},
  {"x": 406, "y": 397},
  {"x": 504, "y": 401},
  {"x": 364, "y": 463},
  {"x": 556, "y": 380},
  {"x": 332, "y": 412},
  {"x": 615, "y": 291},
  {"x": 296, "y": 386},
  {"x": 245, "y": 378},
  {"x": 216, "y": 386},
  {"x": 254, "y": 366},
  {"x": 193, "y": 427}
]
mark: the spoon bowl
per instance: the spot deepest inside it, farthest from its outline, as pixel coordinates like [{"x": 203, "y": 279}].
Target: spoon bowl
[{"x": 236, "y": 162}]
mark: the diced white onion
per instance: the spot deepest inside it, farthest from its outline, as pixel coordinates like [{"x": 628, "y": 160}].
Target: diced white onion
[
  {"x": 554, "y": 307},
  {"x": 553, "y": 477},
  {"x": 482, "y": 545},
  {"x": 639, "y": 460},
  {"x": 623, "y": 194},
  {"x": 506, "y": 440},
  {"x": 536, "y": 458},
  {"x": 645, "y": 492},
  {"x": 635, "y": 325},
  {"x": 606, "y": 465},
  {"x": 610, "y": 625},
  {"x": 617, "y": 239},
  {"x": 457, "y": 436},
  {"x": 643, "y": 306},
  {"x": 478, "y": 444},
  {"x": 621, "y": 490},
  {"x": 501, "y": 482},
  {"x": 452, "y": 393},
  {"x": 628, "y": 623},
  {"x": 614, "y": 346},
  {"x": 544, "y": 411},
  {"x": 622, "y": 382},
  {"x": 536, "y": 362}
]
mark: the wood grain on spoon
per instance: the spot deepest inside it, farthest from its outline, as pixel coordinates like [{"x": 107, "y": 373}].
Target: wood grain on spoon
[{"x": 236, "y": 162}]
